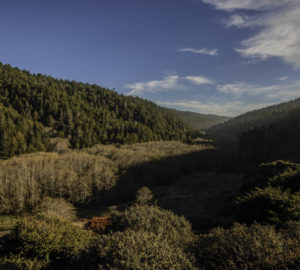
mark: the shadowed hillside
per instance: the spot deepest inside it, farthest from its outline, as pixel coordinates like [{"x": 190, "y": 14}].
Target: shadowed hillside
[
  {"x": 257, "y": 118},
  {"x": 199, "y": 120}
]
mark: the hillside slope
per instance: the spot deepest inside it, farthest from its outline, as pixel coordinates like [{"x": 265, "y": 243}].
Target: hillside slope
[
  {"x": 85, "y": 114},
  {"x": 257, "y": 118},
  {"x": 199, "y": 120},
  {"x": 277, "y": 140}
]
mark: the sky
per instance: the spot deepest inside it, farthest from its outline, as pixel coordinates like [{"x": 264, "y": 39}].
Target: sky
[{"x": 222, "y": 57}]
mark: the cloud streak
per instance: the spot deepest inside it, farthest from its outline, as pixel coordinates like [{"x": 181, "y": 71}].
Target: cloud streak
[
  {"x": 278, "y": 92},
  {"x": 212, "y": 52},
  {"x": 278, "y": 27},
  {"x": 198, "y": 80},
  {"x": 169, "y": 83},
  {"x": 230, "y": 5}
]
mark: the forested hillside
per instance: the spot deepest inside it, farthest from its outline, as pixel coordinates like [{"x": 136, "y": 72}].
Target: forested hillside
[
  {"x": 199, "y": 120},
  {"x": 276, "y": 140},
  {"x": 257, "y": 118},
  {"x": 35, "y": 107}
]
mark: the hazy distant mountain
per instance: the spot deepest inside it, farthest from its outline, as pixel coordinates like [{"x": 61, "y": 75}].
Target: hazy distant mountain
[{"x": 199, "y": 120}]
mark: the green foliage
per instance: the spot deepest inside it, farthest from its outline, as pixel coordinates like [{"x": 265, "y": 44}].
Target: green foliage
[
  {"x": 142, "y": 237},
  {"x": 19, "y": 135},
  {"x": 269, "y": 205},
  {"x": 272, "y": 194},
  {"x": 17, "y": 262},
  {"x": 48, "y": 239},
  {"x": 247, "y": 248},
  {"x": 140, "y": 250},
  {"x": 168, "y": 226},
  {"x": 143, "y": 195}
]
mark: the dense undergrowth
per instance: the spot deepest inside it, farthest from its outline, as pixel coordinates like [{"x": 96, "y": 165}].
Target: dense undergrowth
[
  {"x": 93, "y": 175},
  {"x": 147, "y": 237},
  {"x": 42, "y": 188}
]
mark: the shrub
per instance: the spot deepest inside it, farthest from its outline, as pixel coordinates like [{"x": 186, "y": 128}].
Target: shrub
[
  {"x": 247, "y": 248},
  {"x": 48, "y": 239},
  {"x": 280, "y": 173},
  {"x": 57, "y": 207},
  {"x": 269, "y": 205},
  {"x": 14, "y": 262},
  {"x": 289, "y": 179},
  {"x": 143, "y": 195},
  {"x": 139, "y": 250},
  {"x": 174, "y": 229}
]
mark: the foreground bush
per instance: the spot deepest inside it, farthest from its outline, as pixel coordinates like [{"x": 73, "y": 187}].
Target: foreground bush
[
  {"x": 247, "y": 248},
  {"x": 280, "y": 173},
  {"x": 139, "y": 250},
  {"x": 269, "y": 205},
  {"x": 170, "y": 227},
  {"x": 47, "y": 239}
]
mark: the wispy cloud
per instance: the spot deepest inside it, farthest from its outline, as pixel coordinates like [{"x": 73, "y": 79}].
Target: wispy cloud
[
  {"x": 279, "y": 92},
  {"x": 198, "y": 80},
  {"x": 278, "y": 33},
  {"x": 223, "y": 108},
  {"x": 283, "y": 78},
  {"x": 247, "y": 4},
  {"x": 212, "y": 52},
  {"x": 168, "y": 83}
]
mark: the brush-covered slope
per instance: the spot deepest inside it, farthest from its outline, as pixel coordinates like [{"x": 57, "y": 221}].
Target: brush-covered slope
[
  {"x": 85, "y": 114},
  {"x": 257, "y": 118},
  {"x": 199, "y": 120}
]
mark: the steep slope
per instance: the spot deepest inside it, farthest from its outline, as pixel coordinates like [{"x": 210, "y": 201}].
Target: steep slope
[
  {"x": 199, "y": 120},
  {"x": 86, "y": 114},
  {"x": 257, "y": 118}
]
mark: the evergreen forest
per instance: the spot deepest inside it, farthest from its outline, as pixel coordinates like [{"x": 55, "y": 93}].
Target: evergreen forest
[{"x": 35, "y": 107}]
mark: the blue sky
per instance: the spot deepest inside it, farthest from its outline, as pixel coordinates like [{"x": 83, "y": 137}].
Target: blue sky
[{"x": 210, "y": 56}]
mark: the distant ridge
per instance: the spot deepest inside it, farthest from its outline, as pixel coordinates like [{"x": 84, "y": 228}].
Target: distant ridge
[
  {"x": 267, "y": 134},
  {"x": 257, "y": 118},
  {"x": 198, "y": 120}
]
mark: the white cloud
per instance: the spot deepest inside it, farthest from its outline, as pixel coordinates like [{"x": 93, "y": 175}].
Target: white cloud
[
  {"x": 239, "y": 20},
  {"x": 278, "y": 33},
  {"x": 168, "y": 83},
  {"x": 212, "y": 52},
  {"x": 198, "y": 80},
  {"x": 224, "y": 108}
]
